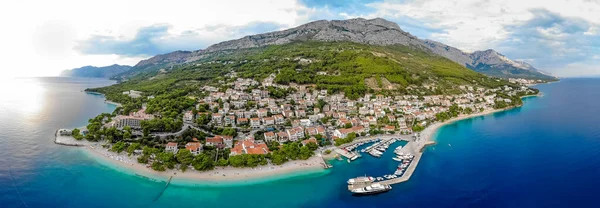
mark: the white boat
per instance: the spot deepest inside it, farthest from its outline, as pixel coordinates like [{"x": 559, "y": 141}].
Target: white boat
[
  {"x": 361, "y": 180},
  {"x": 397, "y": 159},
  {"x": 371, "y": 189}
]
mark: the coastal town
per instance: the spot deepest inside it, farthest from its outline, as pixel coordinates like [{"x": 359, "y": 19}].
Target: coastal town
[{"x": 253, "y": 120}]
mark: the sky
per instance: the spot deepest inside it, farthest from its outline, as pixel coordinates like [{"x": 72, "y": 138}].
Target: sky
[{"x": 42, "y": 38}]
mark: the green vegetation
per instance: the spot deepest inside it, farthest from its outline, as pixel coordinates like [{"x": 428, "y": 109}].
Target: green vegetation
[
  {"x": 348, "y": 139},
  {"x": 76, "y": 133},
  {"x": 336, "y": 67}
]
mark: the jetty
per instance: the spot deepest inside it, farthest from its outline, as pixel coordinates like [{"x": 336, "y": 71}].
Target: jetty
[
  {"x": 415, "y": 147},
  {"x": 163, "y": 190},
  {"x": 345, "y": 153},
  {"x": 67, "y": 140}
]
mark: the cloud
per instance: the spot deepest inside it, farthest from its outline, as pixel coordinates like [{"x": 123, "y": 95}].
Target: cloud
[
  {"x": 552, "y": 35},
  {"x": 157, "y": 39},
  {"x": 551, "y": 41}
]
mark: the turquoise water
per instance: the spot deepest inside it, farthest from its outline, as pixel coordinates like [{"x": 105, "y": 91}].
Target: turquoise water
[{"x": 545, "y": 154}]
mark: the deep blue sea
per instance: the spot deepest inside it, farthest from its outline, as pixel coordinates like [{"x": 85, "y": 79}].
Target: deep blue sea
[{"x": 544, "y": 154}]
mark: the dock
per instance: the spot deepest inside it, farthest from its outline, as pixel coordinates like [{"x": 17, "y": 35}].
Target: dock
[
  {"x": 414, "y": 147},
  {"x": 345, "y": 153}
]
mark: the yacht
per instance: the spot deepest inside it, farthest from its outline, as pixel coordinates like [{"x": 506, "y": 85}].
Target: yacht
[
  {"x": 372, "y": 189},
  {"x": 361, "y": 180}
]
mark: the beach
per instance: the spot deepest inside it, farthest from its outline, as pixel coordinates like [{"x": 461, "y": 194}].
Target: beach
[
  {"x": 429, "y": 132},
  {"x": 129, "y": 163}
]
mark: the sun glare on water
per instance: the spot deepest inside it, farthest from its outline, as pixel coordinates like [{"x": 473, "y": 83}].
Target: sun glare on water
[{"x": 26, "y": 95}]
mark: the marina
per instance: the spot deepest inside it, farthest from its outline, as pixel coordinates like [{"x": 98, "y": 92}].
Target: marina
[{"x": 407, "y": 156}]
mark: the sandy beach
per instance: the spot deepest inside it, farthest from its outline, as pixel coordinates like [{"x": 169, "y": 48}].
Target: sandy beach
[
  {"x": 123, "y": 161},
  {"x": 218, "y": 174},
  {"x": 429, "y": 132}
]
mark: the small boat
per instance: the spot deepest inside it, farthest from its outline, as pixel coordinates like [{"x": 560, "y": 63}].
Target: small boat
[{"x": 397, "y": 159}]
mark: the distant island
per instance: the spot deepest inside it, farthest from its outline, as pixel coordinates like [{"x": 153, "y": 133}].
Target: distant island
[
  {"x": 288, "y": 100},
  {"x": 96, "y": 72}
]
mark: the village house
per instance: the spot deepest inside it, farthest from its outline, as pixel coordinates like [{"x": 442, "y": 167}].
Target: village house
[
  {"x": 229, "y": 120},
  {"x": 217, "y": 118},
  {"x": 311, "y": 140},
  {"x": 255, "y": 122},
  {"x": 188, "y": 116},
  {"x": 249, "y": 146},
  {"x": 171, "y": 147},
  {"x": 282, "y": 136},
  {"x": 300, "y": 113},
  {"x": 314, "y": 130},
  {"x": 270, "y": 136},
  {"x": 288, "y": 113},
  {"x": 262, "y": 113},
  {"x": 279, "y": 120},
  {"x": 242, "y": 121},
  {"x": 269, "y": 121},
  {"x": 194, "y": 147},
  {"x": 343, "y": 133}
]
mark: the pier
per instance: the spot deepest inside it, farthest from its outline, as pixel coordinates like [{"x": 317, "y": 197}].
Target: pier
[
  {"x": 415, "y": 146},
  {"x": 345, "y": 153},
  {"x": 163, "y": 190}
]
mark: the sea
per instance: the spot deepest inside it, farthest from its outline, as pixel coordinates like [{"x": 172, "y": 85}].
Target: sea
[{"x": 543, "y": 154}]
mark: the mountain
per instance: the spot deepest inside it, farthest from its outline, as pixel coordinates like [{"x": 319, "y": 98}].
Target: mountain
[
  {"x": 92, "y": 71},
  {"x": 495, "y": 64},
  {"x": 376, "y": 31},
  {"x": 155, "y": 63}
]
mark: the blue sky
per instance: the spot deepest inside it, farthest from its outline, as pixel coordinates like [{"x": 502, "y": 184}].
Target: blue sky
[{"x": 559, "y": 36}]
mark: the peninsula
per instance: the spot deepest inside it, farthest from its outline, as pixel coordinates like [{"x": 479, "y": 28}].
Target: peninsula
[{"x": 287, "y": 101}]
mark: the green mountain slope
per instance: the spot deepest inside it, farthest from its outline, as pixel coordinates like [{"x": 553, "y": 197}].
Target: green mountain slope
[{"x": 352, "y": 68}]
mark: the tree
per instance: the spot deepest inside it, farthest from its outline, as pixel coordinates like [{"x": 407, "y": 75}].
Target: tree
[
  {"x": 132, "y": 147},
  {"x": 312, "y": 146},
  {"x": 222, "y": 162},
  {"x": 273, "y": 145},
  {"x": 203, "y": 119},
  {"x": 278, "y": 158},
  {"x": 158, "y": 166},
  {"x": 185, "y": 157},
  {"x": 468, "y": 110},
  {"x": 229, "y": 132},
  {"x": 76, "y": 134},
  {"x": 305, "y": 153},
  {"x": 418, "y": 128},
  {"x": 118, "y": 147},
  {"x": 203, "y": 162},
  {"x": 126, "y": 135}
]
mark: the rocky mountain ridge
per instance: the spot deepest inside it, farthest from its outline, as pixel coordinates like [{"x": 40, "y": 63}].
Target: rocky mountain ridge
[{"x": 376, "y": 31}]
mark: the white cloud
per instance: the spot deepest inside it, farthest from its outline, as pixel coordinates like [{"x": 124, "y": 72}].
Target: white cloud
[
  {"x": 510, "y": 25},
  {"x": 39, "y": 36},
  {"x": 40, "y": 40}
]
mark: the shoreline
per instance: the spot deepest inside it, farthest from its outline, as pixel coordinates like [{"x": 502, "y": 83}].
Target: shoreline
[
  {"x": 430, "y": 131},
  {"x": 105, "y": 100},
  {"x": 230, "y": 175},
  {"x": 218, "y": 176}
]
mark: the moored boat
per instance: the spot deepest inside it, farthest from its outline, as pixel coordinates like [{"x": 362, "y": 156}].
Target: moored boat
[
  {"x": 361, "y": 180},
  {"x": 372, "y": 189}
]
